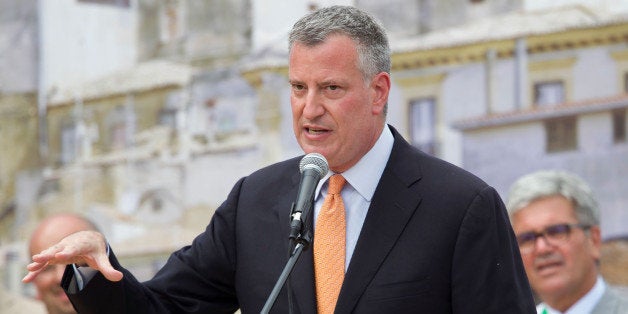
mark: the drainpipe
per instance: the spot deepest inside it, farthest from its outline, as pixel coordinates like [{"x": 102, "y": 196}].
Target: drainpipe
[
  {"x": 41, "y": 87},
  {"x": 521, "y": 74},
  {"x": 491, "y": 56}
]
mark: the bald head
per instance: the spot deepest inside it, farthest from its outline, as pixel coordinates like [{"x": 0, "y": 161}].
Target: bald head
[
  {"x": 48, "y": 283},
  {"x": 56, "y": 227}
]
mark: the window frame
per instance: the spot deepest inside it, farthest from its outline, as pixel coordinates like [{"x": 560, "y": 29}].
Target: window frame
[
  {"x": 544, "y": 84},
  {"x": 619, "y": 125},
  {"x": 561, "y": 134},
  {"x": 430, "y": 145}
]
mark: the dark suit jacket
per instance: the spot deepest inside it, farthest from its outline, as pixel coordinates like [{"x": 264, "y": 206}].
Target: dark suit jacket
[{"x": 436, "y": 239}]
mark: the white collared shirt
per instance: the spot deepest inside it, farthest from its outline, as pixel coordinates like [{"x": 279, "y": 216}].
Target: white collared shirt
[
  {"x": 583, "y": 306},
  {"x": 362, "y": 180}
]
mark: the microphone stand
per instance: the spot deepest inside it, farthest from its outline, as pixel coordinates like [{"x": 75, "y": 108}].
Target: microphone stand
[{"x": 299, "y": 240}]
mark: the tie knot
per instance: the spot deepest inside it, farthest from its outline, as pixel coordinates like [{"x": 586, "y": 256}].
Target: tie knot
[{"x": 336, "y": 182}]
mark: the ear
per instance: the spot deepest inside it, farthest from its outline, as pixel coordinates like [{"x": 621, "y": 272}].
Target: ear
[
  {"x": 380, "y": 87},
  {"x": 595, "y": 239}
]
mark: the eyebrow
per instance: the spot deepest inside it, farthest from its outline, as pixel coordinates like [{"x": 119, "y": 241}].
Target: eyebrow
[{"x": 330, "y": 82}]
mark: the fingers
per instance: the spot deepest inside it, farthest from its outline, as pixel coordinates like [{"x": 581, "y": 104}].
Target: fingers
[
  {"x": 30, "y": 277},
  {"x": 61, "y": 253},
  {"x": 101, "y": 263},
  {"x": 36, "y": 266},
  {"x": 33, "y": 270},
  {"x": 81, "y": 248},
  {"x": 110, "y": 273},
  {"x": 47, "y": 254},
  {"x": 40, "y": 262}
]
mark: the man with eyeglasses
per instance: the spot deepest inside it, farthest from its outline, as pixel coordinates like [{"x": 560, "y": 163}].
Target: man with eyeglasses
[{"x": 556, "y": 220}]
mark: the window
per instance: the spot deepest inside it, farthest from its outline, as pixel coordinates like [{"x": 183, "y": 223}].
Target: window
[
  {"x": 423, "y": 124},
  {"x": 561, "y": 134},
  {"x": 168, "y": 117},
  {"x": 619, "y": 125},
  {"x": 68, "y": 142},
  {"x": 549, "y": 93},
  {"x": 120, "y": 125},
  {"x": 172, "y": 20}
]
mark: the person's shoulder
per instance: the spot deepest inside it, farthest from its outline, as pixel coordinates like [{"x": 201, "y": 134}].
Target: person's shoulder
[
  {"x": 274, "y": 173},
  {"x": 614, "y": 300},
  {"x": 440, "y": 171},
  {"x": 433, "y": 169},
  {"x": 621, "y": 294},
  {"x": 289, "y": 165}
]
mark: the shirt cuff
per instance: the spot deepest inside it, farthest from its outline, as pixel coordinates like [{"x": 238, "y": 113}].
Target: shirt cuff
[{"x": 83, "y": 274}]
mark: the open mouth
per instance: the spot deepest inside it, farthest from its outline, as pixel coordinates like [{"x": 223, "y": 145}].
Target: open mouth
[{"x": 315, "y": 131}]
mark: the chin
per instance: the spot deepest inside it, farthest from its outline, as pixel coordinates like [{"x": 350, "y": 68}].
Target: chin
[
  {"x": 550, "y": 286},
  {"x": 307, "y": 149}
]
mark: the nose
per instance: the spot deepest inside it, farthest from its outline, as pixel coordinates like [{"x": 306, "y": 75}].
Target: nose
[
  {"x": 541, "y": 244},
  {"x": 312, "y": 106}
]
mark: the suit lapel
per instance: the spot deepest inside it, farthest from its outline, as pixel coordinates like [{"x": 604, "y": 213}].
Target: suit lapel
[{"x": 384, "y": 222}]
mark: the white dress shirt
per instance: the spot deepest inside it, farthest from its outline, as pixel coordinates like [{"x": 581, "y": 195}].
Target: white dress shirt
[
  {"x": 362, "y": 180},
  {"x": 583, "y": 306}
]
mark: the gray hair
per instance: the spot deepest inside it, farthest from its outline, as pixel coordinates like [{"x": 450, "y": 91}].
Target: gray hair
[
  {"x": 369, "y": 36},
  {"x": 548, "y": 183}
]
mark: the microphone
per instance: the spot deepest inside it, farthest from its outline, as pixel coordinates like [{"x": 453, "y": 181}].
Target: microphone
[{"x": 313, "y": 167}]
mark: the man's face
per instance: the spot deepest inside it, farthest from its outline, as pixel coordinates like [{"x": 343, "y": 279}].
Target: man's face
[
  {"x": 561, "y": 272},
  {"x": 335, "y": 112},
  {"x": 48, "y": 282},
  {"x": 50, "y": 291}
]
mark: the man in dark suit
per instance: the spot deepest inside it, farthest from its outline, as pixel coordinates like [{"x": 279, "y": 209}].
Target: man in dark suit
[{"x": 420, "y": 235}]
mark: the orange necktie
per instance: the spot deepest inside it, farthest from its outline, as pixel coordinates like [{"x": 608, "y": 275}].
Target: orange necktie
[{"x": 329, "y": 247}]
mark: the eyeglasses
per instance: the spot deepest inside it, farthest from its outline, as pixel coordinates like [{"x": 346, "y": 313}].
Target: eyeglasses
[{"x": 554, "y": 235}]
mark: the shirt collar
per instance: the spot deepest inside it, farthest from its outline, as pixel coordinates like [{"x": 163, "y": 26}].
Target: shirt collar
[
  {"x": 585, "y": 304},
  {"x": 364, "y": 176}
]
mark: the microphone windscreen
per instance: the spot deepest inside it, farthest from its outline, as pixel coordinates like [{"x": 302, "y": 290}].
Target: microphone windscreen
[{"x": 314, "y": 161}]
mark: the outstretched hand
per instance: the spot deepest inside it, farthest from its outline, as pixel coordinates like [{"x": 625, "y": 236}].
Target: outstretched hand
[{"x": 81, "y": 248}]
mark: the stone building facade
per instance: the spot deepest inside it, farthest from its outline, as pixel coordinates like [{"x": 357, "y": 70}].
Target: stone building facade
[{"x": 145, "y": 127}]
